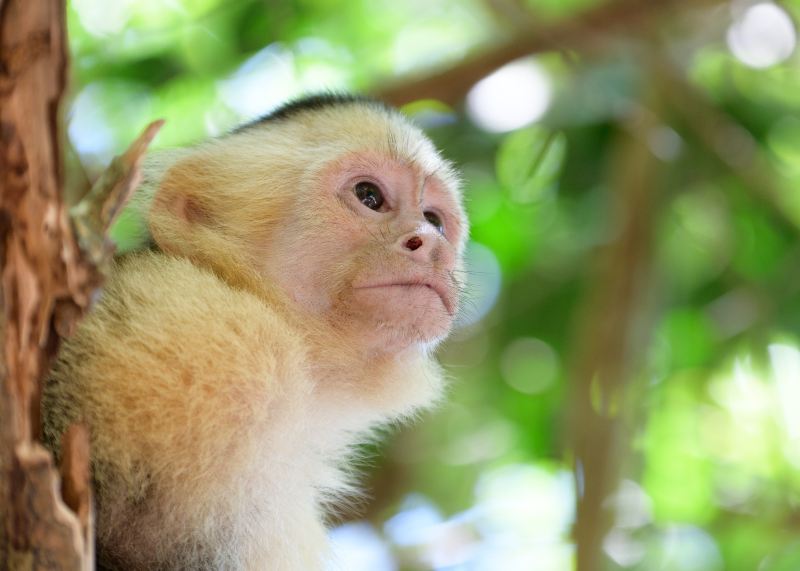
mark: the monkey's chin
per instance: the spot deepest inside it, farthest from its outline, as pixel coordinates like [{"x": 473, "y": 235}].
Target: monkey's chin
[{"x": 403, "y": 315}]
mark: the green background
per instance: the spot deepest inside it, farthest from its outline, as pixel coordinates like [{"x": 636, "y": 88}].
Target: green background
[{"x": 706, "y": 410}]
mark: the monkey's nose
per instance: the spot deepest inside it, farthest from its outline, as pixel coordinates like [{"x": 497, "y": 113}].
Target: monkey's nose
[
  {"x": 413, "y": 243},
  {"x": 417, "y": 245}
]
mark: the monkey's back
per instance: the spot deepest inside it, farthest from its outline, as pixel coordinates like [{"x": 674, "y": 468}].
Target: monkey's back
[{"x": 179, "y": 376}]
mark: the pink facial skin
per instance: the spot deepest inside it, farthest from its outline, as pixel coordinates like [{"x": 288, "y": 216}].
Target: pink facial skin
[{"x": 388, "y": 272}]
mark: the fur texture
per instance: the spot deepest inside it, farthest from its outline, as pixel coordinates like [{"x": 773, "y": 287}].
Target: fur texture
[{"x": 222, "y": 389}]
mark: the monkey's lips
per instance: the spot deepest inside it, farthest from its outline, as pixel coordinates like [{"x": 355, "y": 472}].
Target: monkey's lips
[{"x": 412, "y": 285}]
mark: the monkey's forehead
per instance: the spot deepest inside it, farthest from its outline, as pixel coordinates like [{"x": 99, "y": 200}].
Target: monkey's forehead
[{"x": 324, "y": 134}]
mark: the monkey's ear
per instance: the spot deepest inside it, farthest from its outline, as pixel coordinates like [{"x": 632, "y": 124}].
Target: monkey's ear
[
  {"x": 187, "y": 218},
  {"x": 178, "y": 212},
  {"x": 188, "y": 209}
]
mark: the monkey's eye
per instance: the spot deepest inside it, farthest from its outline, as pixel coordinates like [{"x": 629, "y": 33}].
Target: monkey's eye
[
  {"x": 369, "y": 195},
  {"x": 435, "y": 221}
]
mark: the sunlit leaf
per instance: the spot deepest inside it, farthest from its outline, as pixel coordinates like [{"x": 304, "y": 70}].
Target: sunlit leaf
[
  {"x": 785, "y": 560},
  {"x": 129, "y": 231},
  {"x": 695, "y": 239},
  {"x": 760, "y": 247},
  {"x": 558, "y": 8},
  {"x": 677, "y": 476},
  {"x": 529, "y": 162},
  {"x": 690, "y": 336}
]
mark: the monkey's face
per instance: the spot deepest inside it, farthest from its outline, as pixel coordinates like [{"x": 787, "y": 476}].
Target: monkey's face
[
  {"x": 349, "y": 211},
  {"x": 374, "y": 247}
]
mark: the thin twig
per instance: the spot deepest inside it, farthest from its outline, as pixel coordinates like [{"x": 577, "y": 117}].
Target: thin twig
[
  {"x": 96, "y": 212},
  {"x": 723, "y": 137}
]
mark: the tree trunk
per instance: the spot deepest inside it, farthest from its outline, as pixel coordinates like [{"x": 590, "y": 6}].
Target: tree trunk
[{"x": 45, "y": 287}]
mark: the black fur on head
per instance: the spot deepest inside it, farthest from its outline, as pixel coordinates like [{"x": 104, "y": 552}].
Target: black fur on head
[{"x": 314, "y": 102}]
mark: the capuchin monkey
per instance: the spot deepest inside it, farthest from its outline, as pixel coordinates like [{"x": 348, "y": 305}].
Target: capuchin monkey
[{"x": 306, "y": 267}]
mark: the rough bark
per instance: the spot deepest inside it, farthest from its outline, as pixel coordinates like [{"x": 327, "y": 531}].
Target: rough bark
[
  {"x": 43, "y": 282},
  {"x": 48, "y": 273}
]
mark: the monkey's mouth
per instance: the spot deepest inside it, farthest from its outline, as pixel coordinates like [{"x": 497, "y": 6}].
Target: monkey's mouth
[{"x": 438, "y": 289}]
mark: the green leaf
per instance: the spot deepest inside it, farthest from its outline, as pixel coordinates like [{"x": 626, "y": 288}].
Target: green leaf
[
  {"x": 678, "y": 475},
  {"x": 529, "y": 163},
  {"x": 785, "y": 560},
  {"x": 129, "y": 231},
  {"x": 556, "y": 9},
  {"x": 695, "y": 239},
  {"x": 690, "y": 336},
  {"x": 760, "y": 247}
]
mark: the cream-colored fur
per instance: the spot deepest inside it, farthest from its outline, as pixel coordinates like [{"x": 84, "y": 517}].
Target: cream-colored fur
[{"x": 222, "y": 410}]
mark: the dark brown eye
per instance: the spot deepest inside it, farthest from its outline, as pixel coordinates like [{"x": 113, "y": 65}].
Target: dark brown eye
[
  {"x": 435, "y": 221},
  {"x": 369, "y": 195}
]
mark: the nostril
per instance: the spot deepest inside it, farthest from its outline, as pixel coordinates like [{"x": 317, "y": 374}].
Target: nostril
[{"x": 414, "y": 243}]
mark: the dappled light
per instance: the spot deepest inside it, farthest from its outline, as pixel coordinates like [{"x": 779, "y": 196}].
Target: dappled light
[
  {"x": 261, "y": 83},
  {"x": 762, "y": 34},
  {"x": 515, "y": 95}
]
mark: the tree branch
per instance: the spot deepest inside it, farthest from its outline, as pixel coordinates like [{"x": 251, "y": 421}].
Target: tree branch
[
  {"x": 96, "y": 212},
  {"x": 589, "y": 30},
  {"x": 611, "y": 337},
  {"x": 724, "y": 138}
]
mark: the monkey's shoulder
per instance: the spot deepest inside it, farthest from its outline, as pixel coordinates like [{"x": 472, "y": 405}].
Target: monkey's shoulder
[
  {"x": 160, "y": 292},
  {"x": 163, "y": 323}
]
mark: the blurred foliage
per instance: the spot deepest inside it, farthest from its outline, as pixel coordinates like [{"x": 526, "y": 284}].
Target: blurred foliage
[{"x": 710, "y": 422}]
